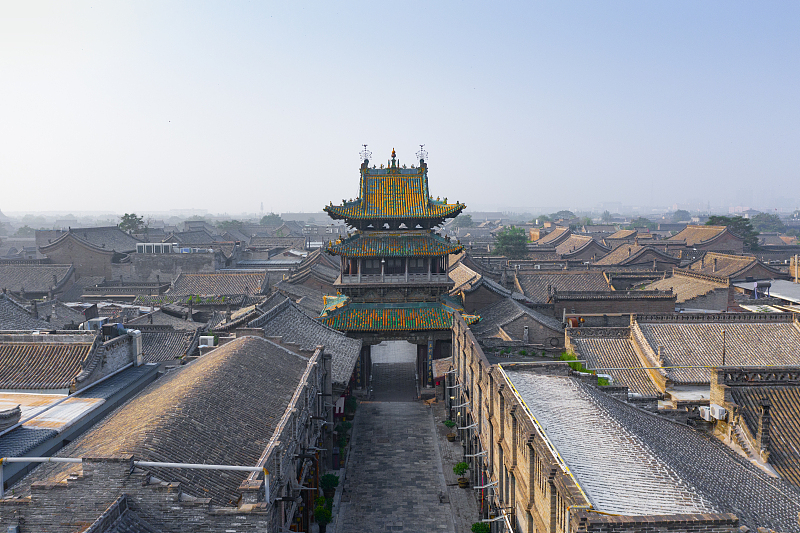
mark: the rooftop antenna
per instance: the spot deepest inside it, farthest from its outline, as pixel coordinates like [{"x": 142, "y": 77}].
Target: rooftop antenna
[
  {"x": 365, "y": 154},
  {"x": 422, "y": 154}
]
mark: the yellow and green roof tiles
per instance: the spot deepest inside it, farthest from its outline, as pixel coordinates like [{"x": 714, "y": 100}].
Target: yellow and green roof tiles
[
  {"x": 395, "y": 245},
  {"x": 392, "y": 317},
  {"x": 394, "y": 196}
]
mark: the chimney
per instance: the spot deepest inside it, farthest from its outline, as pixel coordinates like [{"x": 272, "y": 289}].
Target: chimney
[
  {"x": 629, "y": 251},
  {"x": 703, "y": 262},
  {"x": 525, "y": 335},
  {"x": 714, "y": 269},
  {"x": 55, "y": 281},
  {"x": 764, "y": 421},
  {"x": 35, "y": 310}
]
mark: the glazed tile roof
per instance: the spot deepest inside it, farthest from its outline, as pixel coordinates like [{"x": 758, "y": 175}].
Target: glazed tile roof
[
  {"x": 602, "y": 352},
  {"x": 505, "y": 311},
  {"x": 403, "y": 244},
  {"x": 288, "y": 321},
  {"x": 218, "y": 283},
  {"x": 42, "y": 365},
  {"x": 33, "y": 278},
  {"x": 535, "y": 284},
  {"x": 15, "y": 317},
  {"x": 685, "y": 287},
  {"x": 784, "y": 430},
  {"x": 392, "y": 193},
  {"x": 392, "y": 317},
  {"x": 211, "y": 410},
  {"x": 639, "y": 463},
  {"x": 694, "y": 235},
  {"x": 746, "y": 344}
]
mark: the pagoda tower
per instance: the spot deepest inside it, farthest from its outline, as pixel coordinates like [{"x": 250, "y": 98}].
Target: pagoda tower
[{"x": 393, "y": 281}]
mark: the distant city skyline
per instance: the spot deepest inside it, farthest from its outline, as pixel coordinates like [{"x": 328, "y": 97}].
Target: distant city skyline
[{"x": 154, "y": 106}]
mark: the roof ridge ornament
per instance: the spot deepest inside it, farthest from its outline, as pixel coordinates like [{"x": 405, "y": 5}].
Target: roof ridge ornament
[
  {"x": 422, "y": 155},
  {"x": 365, "y": 154}
]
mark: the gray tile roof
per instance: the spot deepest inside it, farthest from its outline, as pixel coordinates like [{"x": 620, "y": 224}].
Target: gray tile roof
[
  {"x": 76, "y": 290},
  {"x": 160, "y": 318},
  {"x": 610, "y": 352},
  {"x": 33, "y": 278},
  {"x": 19, "y": 441},
  {"x": 747, "y": 344},
  {"x": 287, "y": 320},
  {"x": 535, "y": 284},
  {"x": 167, "y": 344},
  {"x": 310, "y": 299},
  {"x": 218, "y": 283},
  {"x": 637, "y": 463},
  {"x": 211, "y": 410},
  {"x": 108, "y": 237},
  {"x": 43, "y": 365},
  {"x": 15, "y": 317},
  {"x": 500, "y": 313},
  {"x": 59, "y": 315}
]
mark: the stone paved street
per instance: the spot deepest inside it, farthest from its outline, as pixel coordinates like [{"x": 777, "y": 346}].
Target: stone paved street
[{"x": 394, "y": 479}]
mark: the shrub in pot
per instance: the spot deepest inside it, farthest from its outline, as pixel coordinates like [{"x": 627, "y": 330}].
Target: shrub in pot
[
  {"x": 450, "y": 424},
  {"x": 460, "y": 469},
  {"x": 323, "y": 517},
  {"x": 481, "y": 527},
  {"x": 329, "y": 482}
]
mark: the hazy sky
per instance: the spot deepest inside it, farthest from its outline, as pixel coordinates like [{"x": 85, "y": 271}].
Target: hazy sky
[{"x": 155, "y": 105}]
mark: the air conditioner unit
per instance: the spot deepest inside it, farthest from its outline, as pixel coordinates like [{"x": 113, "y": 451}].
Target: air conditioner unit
[
  {"x": 705, "y": 413},
  {"x": 207, "y": 340},
  {"x": 718, "y": 412}
]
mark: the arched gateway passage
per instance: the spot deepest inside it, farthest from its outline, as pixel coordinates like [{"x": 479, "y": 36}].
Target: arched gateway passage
[{"x": 394, "y": 369}]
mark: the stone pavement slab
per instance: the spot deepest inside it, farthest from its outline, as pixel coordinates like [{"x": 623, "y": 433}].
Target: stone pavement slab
[{"x": 394, "y": 479}]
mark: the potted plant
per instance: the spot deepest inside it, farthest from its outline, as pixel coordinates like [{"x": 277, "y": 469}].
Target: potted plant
[
  {"x": 329, "y": 482},
  {"x": 350, "y": 405},
  {"x": 450, "y": 424},
  {"x": 481, "y": 527},
  {"x": 323, "y": 517},
  {"x": 460, "y": 469}
]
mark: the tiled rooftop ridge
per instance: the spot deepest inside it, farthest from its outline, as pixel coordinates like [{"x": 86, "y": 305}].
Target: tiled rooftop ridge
[{"x": 640, "y": 483}]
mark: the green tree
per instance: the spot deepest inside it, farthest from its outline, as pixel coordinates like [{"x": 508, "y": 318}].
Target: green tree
[
  {"x": 739, "y": 226},
  {"x": 563, "y": 214},
  {"x": 463, "y": 221},
  {"x": 130, "y": 222},
  {"x": 642, "y": 222},
  {"x": 606, "y": 217},
  {"x": 681, "y": 215},
  {"x": 271, "y": 220},
  {"x": 25, "y": 231},
  {"x": 512, "y": 243},
  {"x": 586, "y": 221},
  {"x": 541, "y": 219},
  {"x": 228, "y": 224},
  {"x": 764, "y": 222}
]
